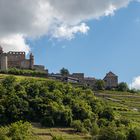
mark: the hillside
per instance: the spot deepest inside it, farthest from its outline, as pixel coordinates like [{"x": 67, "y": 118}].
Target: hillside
[
  {"x": 63, "y": 111},
  {"x": 125, "y": 103}
]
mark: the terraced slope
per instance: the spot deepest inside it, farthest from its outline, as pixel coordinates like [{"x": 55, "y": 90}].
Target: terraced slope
[{"x": 125, "y": 103}]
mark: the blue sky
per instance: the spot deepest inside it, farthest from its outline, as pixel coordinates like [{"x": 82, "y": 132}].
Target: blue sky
[{"x": 112, "y": 43}]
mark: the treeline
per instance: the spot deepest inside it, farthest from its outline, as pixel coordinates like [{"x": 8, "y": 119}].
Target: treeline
[
  {"x": 25, "y": 72},
  {"x": 55, "y": 104}
]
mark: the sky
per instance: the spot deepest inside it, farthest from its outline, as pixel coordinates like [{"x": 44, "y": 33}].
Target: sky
[{"x": 89, "y": 36}]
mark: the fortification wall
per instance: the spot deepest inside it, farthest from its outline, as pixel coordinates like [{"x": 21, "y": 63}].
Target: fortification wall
[
  {"x": 16, "y": 56},
  {"x": 25, "y": 64}
]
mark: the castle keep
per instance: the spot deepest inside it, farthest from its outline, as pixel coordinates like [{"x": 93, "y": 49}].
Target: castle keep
[{"x": 15, "y": 60}]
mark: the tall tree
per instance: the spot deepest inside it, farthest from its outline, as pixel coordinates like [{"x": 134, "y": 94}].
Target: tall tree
[{"x": 64, "y": 72}]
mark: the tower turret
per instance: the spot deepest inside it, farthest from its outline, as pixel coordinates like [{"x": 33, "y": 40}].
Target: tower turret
[{"x": 31, "y": 61}]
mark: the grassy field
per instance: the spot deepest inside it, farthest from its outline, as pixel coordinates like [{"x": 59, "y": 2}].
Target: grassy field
[
  {"x": 18, "y": 78},
  {"x": 66, "y": 133}
]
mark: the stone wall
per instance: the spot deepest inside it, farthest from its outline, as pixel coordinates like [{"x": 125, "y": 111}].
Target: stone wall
[{"x": 25, "y": 64}]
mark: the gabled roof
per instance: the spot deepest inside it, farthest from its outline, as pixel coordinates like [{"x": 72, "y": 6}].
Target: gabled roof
[{"x": 110, "y": 74}]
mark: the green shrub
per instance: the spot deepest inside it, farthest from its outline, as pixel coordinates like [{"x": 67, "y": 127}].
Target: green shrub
[
  {"x": 87, "y": 124},
  {"x": 47, "y": 121},
  {"x": 57, "y": 138},
  {"x": 134, "y": 134},
  {"x": 17, "y": 131},
  {"x": 95, "y": 129},
  {"x": 78, "y": 126}
]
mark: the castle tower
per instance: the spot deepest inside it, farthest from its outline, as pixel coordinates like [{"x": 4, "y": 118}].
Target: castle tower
[
  {"x": 4, "y": 65},
  {"x": 31, "y": 61},
  {"x": 1, "y": 50}
]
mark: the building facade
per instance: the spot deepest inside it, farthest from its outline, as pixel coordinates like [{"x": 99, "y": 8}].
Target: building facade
[{"x": 111, "y": 80}]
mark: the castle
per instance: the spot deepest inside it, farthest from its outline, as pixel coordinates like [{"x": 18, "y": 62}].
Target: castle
[{"x": 17, "y": 60}]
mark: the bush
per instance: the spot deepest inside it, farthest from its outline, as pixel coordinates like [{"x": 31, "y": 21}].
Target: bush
[
  {"x": 107, "y": 114},
  {"x": 123, "y": 86},
  {"x": 47, "y": 121},
  {"x": 99, "y": 85},
  {"x": 134, "y": 134},
  {"x": 87, "y": 124},
  {"x": 17, "y": 131},
  {"x": 57, "y": 138},
  {"x": 107, "y": 133},
  {"x": 78, "y": 126},
  {"x": 94, "y": 130},
  {"x": 102, "y": 122}
]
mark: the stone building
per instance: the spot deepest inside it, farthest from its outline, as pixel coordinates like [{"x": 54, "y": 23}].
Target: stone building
[
  {"x": 79, "y": 76},
  {"x": 18, "y": 60},
  {"x": 15, "y": 60},
  {"x": 111, "y": 80},
  {"x": 89, "y": 81}
]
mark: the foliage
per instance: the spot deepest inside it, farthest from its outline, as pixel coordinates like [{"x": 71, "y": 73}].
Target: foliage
[
  {"x": 108, "y": 133},
  {"x": 64, "y": 72},
  {"x": 56, "y": 104},
  {"x": 57, "y": 138},
  {"x": 94, "y": 129},
  {"x": 107, "y": 113},
  {"x": 17, "y": 131},
  {"x": 99, "y": 85},
  {"x": 25, "y": 72},
  {"x": 77, "y": 124},
  {"x": 123, "y": 86},
  {"x": 134, "y": 134}
]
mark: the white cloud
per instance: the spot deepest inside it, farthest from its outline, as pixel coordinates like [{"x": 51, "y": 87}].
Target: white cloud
[
  {"x": 68, "y": 32},
  {"x": 14, "y": 43},
  {"x": 135, "y": 83},
  {"x": 58, "y": 18}
]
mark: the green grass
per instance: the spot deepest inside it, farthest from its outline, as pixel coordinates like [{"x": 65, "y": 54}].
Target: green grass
[
  {"x": 19, "y": 78},
  {"x": 66, "y": 133}
]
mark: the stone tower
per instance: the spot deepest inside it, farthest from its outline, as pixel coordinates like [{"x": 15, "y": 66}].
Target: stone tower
[
  {"x": 31, "y": 61},
  {"x": 4, "y": 65}
]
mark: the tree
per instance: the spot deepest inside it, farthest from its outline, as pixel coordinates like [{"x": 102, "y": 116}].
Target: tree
[
  {"x": 107, "y": 133},
  {"x": 64, "y": 72},
  {"x": 78, "y": 126},
  {"x": 99, "y": 85},
  {"x": 9, "y": 83},
  {"x": 123, "y": 86},
  {"x": 107, "y": 113}
]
